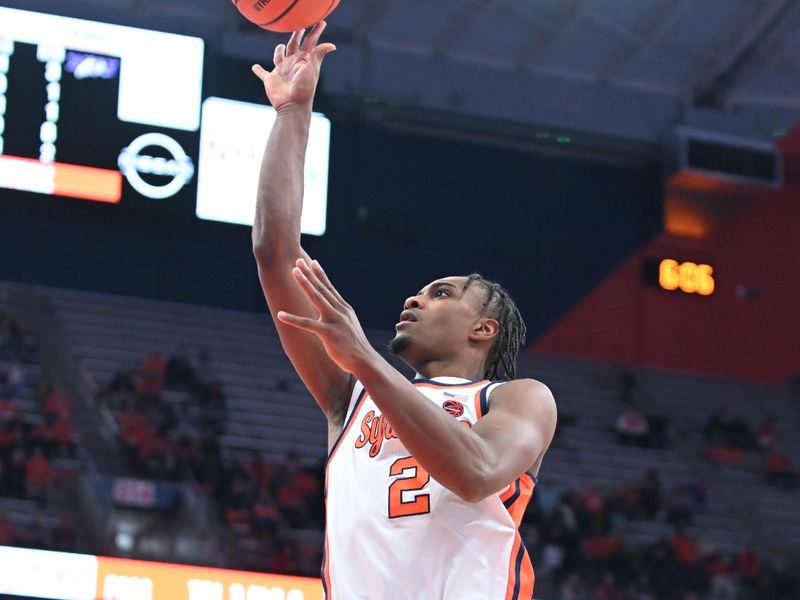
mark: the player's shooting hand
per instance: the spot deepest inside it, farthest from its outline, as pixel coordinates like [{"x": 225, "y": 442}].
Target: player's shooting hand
[
  {"x": 296, "y": 73},
  {"x": 337, "y": 326}
]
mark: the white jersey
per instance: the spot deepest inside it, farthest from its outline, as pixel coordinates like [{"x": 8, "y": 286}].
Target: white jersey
[{"x": 395, "y": 533}]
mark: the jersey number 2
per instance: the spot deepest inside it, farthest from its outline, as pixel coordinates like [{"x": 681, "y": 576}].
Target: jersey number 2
[{"x": 421, "y": 504}]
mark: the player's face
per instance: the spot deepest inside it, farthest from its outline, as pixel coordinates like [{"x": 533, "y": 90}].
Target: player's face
[{"x": 438, "y": 321}]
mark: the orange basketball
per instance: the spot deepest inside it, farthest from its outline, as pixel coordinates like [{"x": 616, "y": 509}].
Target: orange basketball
[{"x": 285, "y": 15}]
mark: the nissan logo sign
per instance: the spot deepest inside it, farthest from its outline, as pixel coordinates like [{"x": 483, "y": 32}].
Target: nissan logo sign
[{"x": 132, "y": 163}]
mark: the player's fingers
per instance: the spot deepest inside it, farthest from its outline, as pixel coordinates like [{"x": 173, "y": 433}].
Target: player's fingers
[
  {"x": 280, "y": 54},
  {"x": 323, "y": 277},
  {"x": 260, "y": 71},
  {"x": 320, "y": 51},
  {"x": 314, "y": 293},
  {"x": 328, "y": 294},
  {"x": 313, "y": 36},
  {"x": 294, "y": 42},
  {"x": 299, "y": 322}
]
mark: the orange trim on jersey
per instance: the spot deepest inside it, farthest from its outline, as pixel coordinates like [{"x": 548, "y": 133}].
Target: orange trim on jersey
[
  {"x": 477, "y": 400},
  {"x": 326, "y": 571},
  {"x": 357, "y": 407},
  {"x": 524, "y": 492},
  {"x": 521, "y": 577},
  {"x": 508, "y": 493}
]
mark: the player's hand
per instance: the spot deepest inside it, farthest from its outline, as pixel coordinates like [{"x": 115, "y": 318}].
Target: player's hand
[
  {"x": 337, "y": 325},
  {"x": 296, "y": 73}
]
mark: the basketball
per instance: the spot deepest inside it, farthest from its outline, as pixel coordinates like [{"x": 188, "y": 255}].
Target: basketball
[{"x": 285, "y": 15}]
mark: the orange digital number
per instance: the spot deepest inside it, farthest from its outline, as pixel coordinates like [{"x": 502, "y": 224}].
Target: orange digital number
[
  {"x": 687, "y": 274},
  {"x": 705, "y": 280},
  {"x": 668, "y": 274},
  {"x": 421, "y": 504},
  {"x": 689, "y": 277}
]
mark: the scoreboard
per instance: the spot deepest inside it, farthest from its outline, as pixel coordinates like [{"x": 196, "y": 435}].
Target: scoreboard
[{"x": 106, "y": 113}]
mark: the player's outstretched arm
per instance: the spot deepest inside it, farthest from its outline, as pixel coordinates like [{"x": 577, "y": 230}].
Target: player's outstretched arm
[{"x": 290, "y": 87}]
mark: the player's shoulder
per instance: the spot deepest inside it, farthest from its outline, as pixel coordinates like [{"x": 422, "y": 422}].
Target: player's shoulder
[{"x": 523, "y": 390}]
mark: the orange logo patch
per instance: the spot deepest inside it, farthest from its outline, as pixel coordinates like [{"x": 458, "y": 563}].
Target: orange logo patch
[{"x": 453, "y": 407}]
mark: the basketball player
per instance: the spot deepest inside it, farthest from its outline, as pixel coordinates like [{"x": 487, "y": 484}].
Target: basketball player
[{"x": 427, "y": 480}]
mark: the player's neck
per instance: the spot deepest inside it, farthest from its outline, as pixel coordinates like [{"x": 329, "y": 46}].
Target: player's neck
[{"x": 443, "y": 368}]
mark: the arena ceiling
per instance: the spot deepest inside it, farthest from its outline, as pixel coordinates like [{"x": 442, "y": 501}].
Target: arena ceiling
[{"x": 628, "y": 70}]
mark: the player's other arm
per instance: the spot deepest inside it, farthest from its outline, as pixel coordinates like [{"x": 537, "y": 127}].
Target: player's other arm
[
  {"x": 276, "y": 232},
  {"x": 479, "y": 461},
  {"x": 514, "y": 436}
]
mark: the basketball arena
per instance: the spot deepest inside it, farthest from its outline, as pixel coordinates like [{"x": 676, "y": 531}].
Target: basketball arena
[{"x": 584, "y": 212}]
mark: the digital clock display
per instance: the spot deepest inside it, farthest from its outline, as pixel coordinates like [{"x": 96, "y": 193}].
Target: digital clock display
[{"x": 688, "y": 277}]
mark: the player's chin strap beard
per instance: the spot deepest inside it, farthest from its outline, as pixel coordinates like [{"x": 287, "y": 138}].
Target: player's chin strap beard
[{"x": 398, "y": 344}]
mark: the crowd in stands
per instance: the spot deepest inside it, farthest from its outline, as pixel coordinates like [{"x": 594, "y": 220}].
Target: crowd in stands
[
  {"x": 170, "y": 413},
  {"x": 33, "y": 434},
  {"x": 576, "y": 538},
  {"x": 730, "y": 439},
  {"x": 169, "y": 439},
  {"x": 178, "y": 439},
  {"x": 38, "y": 534},
  {"x": 635, "y": 426},
  {"x": 269, "y": 503},
  {"x": 35, "y": 428}
]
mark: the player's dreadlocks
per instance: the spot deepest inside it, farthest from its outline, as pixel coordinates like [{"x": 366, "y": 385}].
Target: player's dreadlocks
[{"x": 499, "y": 305}]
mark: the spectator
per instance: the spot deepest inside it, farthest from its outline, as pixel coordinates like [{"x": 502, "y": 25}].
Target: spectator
[
  {"x": 57, "y": 403},
  {"x": 697, "y": 491},
  {"x": 178, "y": 372},
  {"x": 728, "y": 429},
  {"x": 625, "y": 502},
  {"x": 657, "y": 423},
  {"x": 122, "y": 381},
  {"x": 641, "y": 589},
  {"x": 684, "y": 547},
  {"x": 15, "y": 473},
  {"x": 62, "y": 435},
  {"x": 64, "y": 536},
  {"x": 546, "y": 498},
  {"x": 632, "y": 428},
  {"x": 8, "y": 534},
  {"x": 723, "y": 583},
  {"x": 650, "y": 494},
  {"x": 13, "y": 380},
  {"x": 151, "y": 379},
  {"x": 607, "y": 589},
  {"x": 8, "y": 408},
  {"x": 552, "y": 558},
  {"x": 573, "y": 588},
  {"x": 680, "y": 506},
  {"x": 37, "y": 534},
  {"x": 766, "y": 433},
  {"x": 38, "y": 475},
  {"x": 603, "y": 549},
  {"x": 714, "y": 431},
  {"x": 266, "y": 515},
  {"x": 779, "y": 469},
  {"x": 749, "y": 566},
  {"x": 707, "y": 548},
  {"x": 11, "y": 336}
]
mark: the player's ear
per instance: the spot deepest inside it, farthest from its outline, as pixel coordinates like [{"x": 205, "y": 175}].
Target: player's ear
[{"x": 485, "y": 329}]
